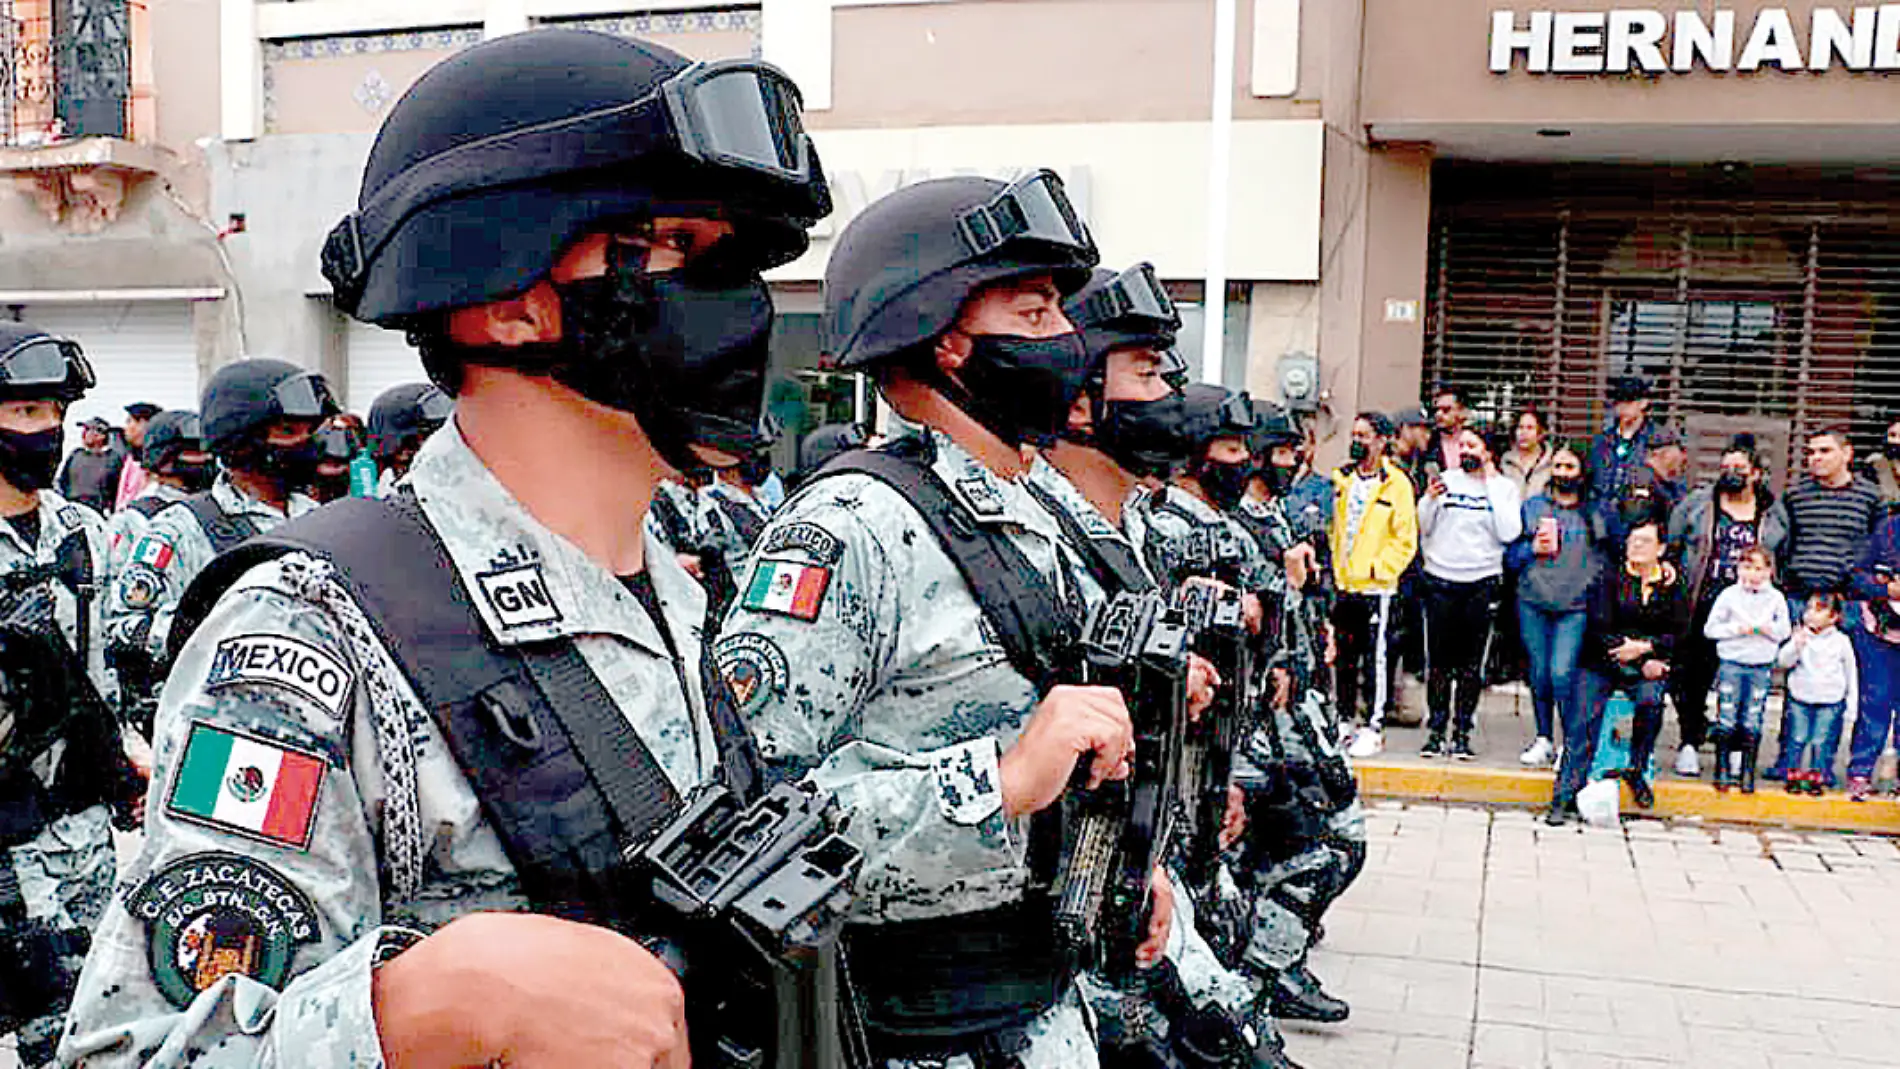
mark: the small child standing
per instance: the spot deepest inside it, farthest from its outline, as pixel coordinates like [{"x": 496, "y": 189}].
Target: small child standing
[
  {"x": 1823, "y": 685},
  {"x": 1748, "y": 622}
]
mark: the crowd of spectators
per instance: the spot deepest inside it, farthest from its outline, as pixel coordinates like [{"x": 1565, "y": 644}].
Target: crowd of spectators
[{"x": 1589, "y": 570}]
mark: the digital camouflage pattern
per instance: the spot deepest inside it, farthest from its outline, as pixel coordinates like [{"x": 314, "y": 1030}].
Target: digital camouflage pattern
[
  {"x": 146, "y": 591},
  {"x": 125, "y": 527},
  {"x": 897, "y": 697},
  {"x": 399, "y": 842},
  {"x": 65, "y": 872}
]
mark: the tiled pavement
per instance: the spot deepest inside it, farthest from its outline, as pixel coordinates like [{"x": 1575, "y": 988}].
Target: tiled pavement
[{"x": 1483, "y": 940}]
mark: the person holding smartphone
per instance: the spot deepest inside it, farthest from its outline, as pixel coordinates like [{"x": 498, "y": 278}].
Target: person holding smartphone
[{"x": 1470, "y": 513}]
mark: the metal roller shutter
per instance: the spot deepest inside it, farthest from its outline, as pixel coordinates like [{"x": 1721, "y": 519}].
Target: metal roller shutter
[
  {"x": 140, "y": 351},
  {"x": 1762, "y": 300},
  {"x": 378, "y": 359}
]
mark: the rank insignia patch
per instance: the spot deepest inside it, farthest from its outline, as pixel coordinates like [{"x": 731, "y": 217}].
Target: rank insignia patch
[
  {"x": 795, "y": 590},
  {"x": 248, "y": 786},
  {"x": 209, "y": 916}
]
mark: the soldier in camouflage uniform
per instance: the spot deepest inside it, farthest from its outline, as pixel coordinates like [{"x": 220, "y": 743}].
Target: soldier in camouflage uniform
[
  {"x": 322, "y": 884},
  {"x": 1121, "y": 432},
  {"x": 400, "y": 420},
  {"x": 175, "y": 458},
  {"x": 1191, "y": 534},
  {"x": 260, "y": 419},
  {"x": 865, "y": 661},
  {"x": 56, "y": 857}
]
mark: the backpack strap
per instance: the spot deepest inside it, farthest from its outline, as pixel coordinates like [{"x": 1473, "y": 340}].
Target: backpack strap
[
  {"x": 223, "y": 529},
  {"x": 1113, "y": 563},
  {"x": 560, "y": 773},
  {"x": 1029, "y": 620},
  {"x": 148, "y": 506},
  {"x": 744, "y": 520}
]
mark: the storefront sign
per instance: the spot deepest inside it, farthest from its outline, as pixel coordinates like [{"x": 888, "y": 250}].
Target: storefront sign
[{"x": 1677, "y": 42}]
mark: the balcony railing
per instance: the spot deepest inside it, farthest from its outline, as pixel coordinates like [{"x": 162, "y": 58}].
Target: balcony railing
[{"x": 65, "y": 70}]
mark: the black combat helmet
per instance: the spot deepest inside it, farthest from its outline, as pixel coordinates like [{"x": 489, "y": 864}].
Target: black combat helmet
[
  {"x": 1126, "y": 310},
  {"x": 904, "y": 267},
  {"x": 1272, "y": 427},
  {"x": 1214, "y": 412},
  {"x": 244, "y": 398},
  {"x": 36, "y": 366},
  {"x": 499, "y": 157},
  {"x": 403, "y": 415},
  {"x": 171, "y": 432}
]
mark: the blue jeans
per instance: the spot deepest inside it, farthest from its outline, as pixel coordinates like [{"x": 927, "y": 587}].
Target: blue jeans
[
  {"x": 1583, "y": 720},
  {"x": 1850, "y": 623},
  {"x": 1741, "y": 696},
  {"x": 1809, "y": 729},
  {"x": 1879, "y": 685},
  {"x": 1553, "y": 641}
]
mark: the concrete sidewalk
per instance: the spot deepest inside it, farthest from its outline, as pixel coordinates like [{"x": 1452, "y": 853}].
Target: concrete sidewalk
[{"x": 1506, "y": 727}]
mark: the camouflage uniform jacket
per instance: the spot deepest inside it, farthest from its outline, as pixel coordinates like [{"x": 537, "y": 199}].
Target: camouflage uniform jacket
[
  {"x": 860, "y": 656},
  {"x": 721, "y": 529},
  {"x": 125, "y": 527},
  {"x": 1187, "y": 537},
  {"x": 163, "y": 563},
  {"x": 246, "y": 930},
  {"x": 65, "y": 871}
]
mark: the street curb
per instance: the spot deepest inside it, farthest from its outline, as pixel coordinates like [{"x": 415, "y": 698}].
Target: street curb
[{"x": 1675, "y": 799}]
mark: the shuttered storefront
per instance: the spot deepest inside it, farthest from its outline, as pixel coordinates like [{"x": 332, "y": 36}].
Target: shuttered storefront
[
  {"x": 139, "y": 350},
  {"x": 378, "y": 359},
  {"x": 1755, "y": 300}
]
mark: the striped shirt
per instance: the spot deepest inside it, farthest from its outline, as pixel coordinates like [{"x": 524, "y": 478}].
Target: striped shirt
[{"x": 1827, "y": 529}]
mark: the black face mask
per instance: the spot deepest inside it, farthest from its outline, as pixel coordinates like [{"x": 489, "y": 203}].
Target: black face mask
[
  {"x": 1143, "y": 437},
  {"x": 293, "y": 465},
  {"x": 1731, "y": 482},
  {"x": 31, "y": 461},
  {"x": 1021, "y": 389},
  {"x": 1278, "y": 479},
  {"x": 1893, "y": 450},
  {"x": 1225, "y": 484},
  {"x": 683, "y": 351},
  {"x": 194, "y": 478},
  {"x": 1359, "y": 451},
  {"x": 1471, "y": 464},
  {"x": 755, "y": 470},
  {"x": 1567, "y": 484},
  {"x": 326, "y": 487}
]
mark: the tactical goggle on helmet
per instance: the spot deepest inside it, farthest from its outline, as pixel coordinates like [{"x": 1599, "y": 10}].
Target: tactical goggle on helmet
[
  {"x": 740, "y": 114},
  {"x": 305, "y": 396},
  {"x": 45, "y": 366},
  {"x": 1136, "y": 304},
  {"x": 1034, "y": 208}
]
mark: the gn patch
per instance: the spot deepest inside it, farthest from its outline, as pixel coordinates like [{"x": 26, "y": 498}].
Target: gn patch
[
  {"x": 754, "y": 668},
  {"x": 209, "y": 916},
  {"x": 519, "y": 596},
  {"x": 287, "y": 663}
]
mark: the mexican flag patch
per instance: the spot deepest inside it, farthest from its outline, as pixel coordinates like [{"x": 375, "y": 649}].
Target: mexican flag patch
[
  {"x": 795, "y": 590},
  {"x": 250, "y": 786},
  {"x": 154, "y": 552}
]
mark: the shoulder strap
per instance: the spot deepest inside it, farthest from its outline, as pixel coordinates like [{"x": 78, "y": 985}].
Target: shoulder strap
[
  {"x": 1112, "y": 563},
  {"x": 744, "y": 520},
  {"x": 148, "y": 506},
  {"x": 1028, "y": 618},
  {"x": 223, "y": 529}
]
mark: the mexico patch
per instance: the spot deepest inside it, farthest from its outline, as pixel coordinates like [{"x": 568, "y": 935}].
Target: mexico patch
[
  {"x": 248, "y": 786},
  {"x": 277, "y": 661},
  {"x": 795, "y": 590},
  {"x": 823, "y": 546},
  {"x": 209, "y": 916},
  {"x": 754, "y": 668},
  {"x": 153, "y": 553}
]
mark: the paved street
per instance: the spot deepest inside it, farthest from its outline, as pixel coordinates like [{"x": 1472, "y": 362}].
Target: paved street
[{"x": 1481, "y": 939}]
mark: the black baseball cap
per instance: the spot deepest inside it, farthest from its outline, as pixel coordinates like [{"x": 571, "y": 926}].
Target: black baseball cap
[
  {"x": 142, "y": 410},
  {"x": 1629, "y": 388}
]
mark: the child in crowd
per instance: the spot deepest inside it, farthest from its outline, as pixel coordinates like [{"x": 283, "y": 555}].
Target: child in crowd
[
  {"x": 1748, "y": 624},
  {"x": 1823, "y": 686}
]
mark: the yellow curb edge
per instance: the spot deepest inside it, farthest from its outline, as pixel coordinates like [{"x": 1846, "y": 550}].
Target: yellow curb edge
[{"x": 1675, "y": 799}]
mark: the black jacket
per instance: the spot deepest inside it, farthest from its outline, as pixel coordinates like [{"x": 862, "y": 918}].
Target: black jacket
[{"x": 1621, "y": 609}]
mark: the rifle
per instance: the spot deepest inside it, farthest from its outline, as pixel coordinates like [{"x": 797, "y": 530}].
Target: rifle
[
  {"x": 1115, "y": 836},
  {"x": 1216, "y": 621},
  {"x": 756, "y": 896}
]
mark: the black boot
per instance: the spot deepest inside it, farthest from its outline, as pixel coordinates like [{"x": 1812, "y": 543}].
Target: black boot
[
  {"x": 1719, "y": 739},
  {"x": 1270, "y": 1052},
  {"x": 1750, "y": 747},
  {"x": 1297, "y": 996},
  {"x": 1640, "y": 791}
]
